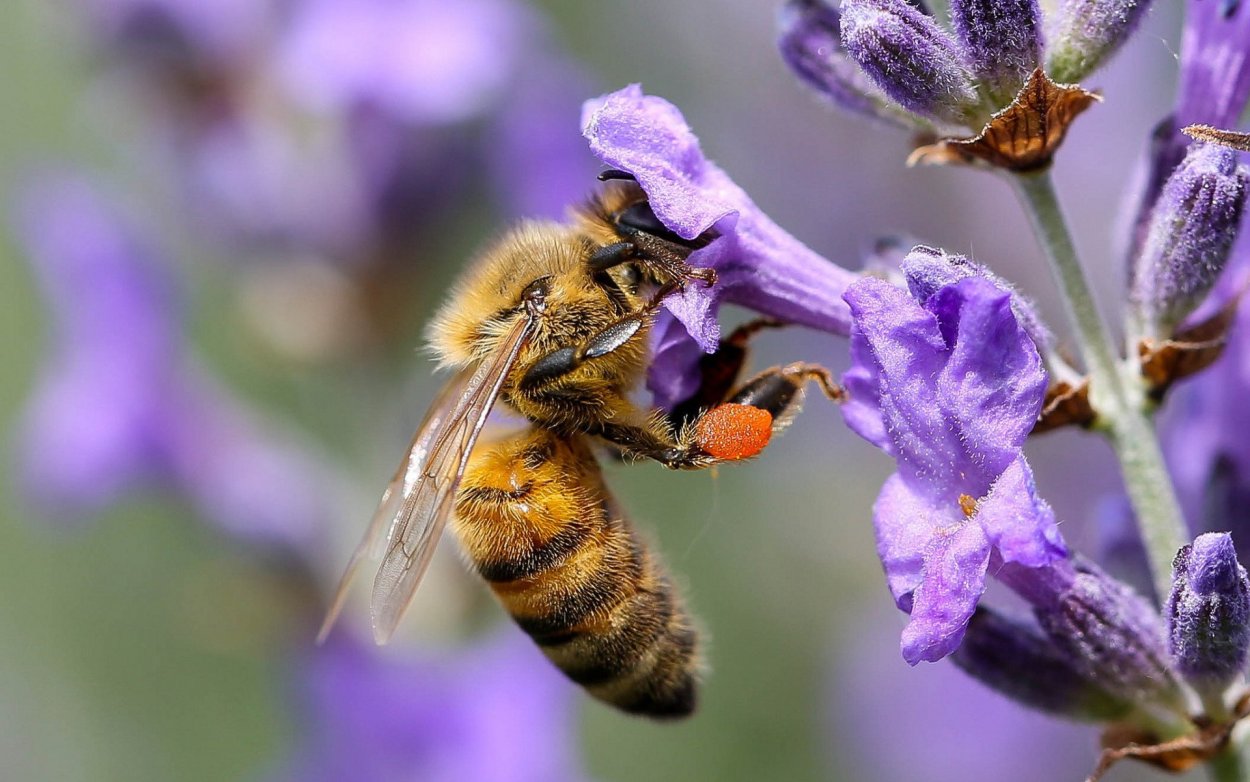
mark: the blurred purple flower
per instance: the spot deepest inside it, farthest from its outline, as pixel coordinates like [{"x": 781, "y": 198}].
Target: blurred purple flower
[
  {"x": 949, "y": 384},
  {"x": 893, "y": 723},
  {"x": 537, "y": 158},
  {"x": 1204, "y": 432},
  {"x": 191, "y": 37},
  {"x": 758, "y": 264},
  {"x": 1214, "y": 84},
  {"x": 422, "y": 61},
  {"x": 498, "y": 712},
  {"x": 119, "y": 405}
]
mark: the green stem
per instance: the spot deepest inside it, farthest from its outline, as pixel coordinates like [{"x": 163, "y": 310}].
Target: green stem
[
  {"x": 1116, "y": 391},
  {"x": 1229, "y": 766}
]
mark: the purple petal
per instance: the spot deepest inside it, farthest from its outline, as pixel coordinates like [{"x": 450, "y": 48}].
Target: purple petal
[
  {"x": 993, "y": 385},
  {"x": 758, "y": 264},
  {"x": 862, "y": 408},
  {"x": 907, "y": 353},
  {"x": 674, "y": 374},
  {"x": 1020, "y": 524},
  {"x": 904, "y": 523},
  {"x": 951, "y": 584}
]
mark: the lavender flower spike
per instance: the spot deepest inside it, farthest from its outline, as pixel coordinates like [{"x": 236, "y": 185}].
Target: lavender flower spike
[
  {"x": 949, "y": 385},
  {"x": 910, "y": 57},
  {"x": 1003, "y": 42},
  {"x": 1015, "y": 658},
  {"x": 758, "y": 264},
  {"x": 1088, "y": 33},
  {"x": 1208, "y": 613},
  {"x": 810, "y": 41},
  {"x": 1192, "y": 229}
]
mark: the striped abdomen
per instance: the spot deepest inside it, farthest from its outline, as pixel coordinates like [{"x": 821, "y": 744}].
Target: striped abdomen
[{"x": 535, "y": 518}]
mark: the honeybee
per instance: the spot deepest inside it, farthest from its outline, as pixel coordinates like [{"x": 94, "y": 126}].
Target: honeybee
[{"x": 553, "y": 322}]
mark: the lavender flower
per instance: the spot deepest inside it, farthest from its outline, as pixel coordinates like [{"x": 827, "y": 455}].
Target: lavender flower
[
  {"x": 949, "y": 385},
  {"x": 810, "y": 41},
  {"x": 1015, "y": 658},
  {"x": 913, "y": 60},
  {"x": 758, "y": 264},
  {"x": 1191, "y": 231},
  {"x": 119, "y": 407},
  {"x": 1106, "y": 630},
  {"x": 1003, "y": 42},
  {"x": 1208, "y": 613},
  {"x": 1213, "y": 89},
  {"x": 495, "y": 713},
  {"x": 1088, "y": 32}
]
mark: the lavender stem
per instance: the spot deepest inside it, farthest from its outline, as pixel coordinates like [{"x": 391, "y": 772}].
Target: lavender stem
[{"x": 1116, "y": 392}]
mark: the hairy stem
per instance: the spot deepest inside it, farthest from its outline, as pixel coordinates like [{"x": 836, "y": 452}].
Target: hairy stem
[{"x": 1116, "y": 390}]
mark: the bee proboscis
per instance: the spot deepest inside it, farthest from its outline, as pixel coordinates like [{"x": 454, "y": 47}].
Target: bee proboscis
[{"x": 553, "y": 321}]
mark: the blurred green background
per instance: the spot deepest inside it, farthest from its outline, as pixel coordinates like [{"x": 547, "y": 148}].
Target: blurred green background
[{"x": 144, "y": 646}]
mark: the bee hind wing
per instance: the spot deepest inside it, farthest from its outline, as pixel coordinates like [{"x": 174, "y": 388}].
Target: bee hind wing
[{"x": 429, "y": 485}]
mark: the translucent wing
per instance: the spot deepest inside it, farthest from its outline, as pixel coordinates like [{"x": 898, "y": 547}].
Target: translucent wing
[
  {"x": 428, "y": 485},
  {"x": 385, "y": 516}
]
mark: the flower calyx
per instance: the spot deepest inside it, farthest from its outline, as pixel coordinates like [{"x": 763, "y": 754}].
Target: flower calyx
[
  {"x": 1210, "y": 738},
  {"x": 1023, "y": 137}
]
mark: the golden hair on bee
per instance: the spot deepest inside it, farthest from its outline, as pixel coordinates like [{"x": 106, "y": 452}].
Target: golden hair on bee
[{"x": 553, "y": 321}]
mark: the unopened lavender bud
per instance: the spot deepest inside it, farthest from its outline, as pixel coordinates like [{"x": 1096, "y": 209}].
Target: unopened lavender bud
[
  {"x": 905, "y": 53},
  {"x": 1191, "y": 231},
  {"x": 810, "y": 41},
  {"x": 1016, "y": 659},
  {"x": 1109, "y": 633},
  {"x": 1002, "y": 40},
  {"x": 1208, "y": 613},
  {"x": 1088, "y": 33}
]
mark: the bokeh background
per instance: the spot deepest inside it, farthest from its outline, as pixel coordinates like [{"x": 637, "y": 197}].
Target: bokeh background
[{"x": 303, "y": 180}]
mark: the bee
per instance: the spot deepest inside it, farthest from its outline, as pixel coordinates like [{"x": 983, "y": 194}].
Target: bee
[{"x": 553, "y": 323}]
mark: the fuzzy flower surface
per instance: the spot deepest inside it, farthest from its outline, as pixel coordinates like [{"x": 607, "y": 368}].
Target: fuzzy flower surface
[
  {"x": 758, "y": 264},
  {"x": 949, "y": 384},
  {"x": 1208, "y": 612}
]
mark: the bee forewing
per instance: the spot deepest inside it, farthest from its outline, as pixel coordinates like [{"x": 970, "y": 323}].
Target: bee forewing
[
  {"x": 386, "y": 515},
  {"x": 429, "y": 485}
]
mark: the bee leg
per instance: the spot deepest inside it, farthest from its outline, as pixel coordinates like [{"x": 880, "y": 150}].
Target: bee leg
[
  {"x": 611, "y": 255},
  {"x": 780, "y": 390},
  {"x": 719, "y": 372}
]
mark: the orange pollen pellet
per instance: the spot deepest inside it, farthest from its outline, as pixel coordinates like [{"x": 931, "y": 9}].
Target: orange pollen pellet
[
  {"x": 968, "y": 504},
  {"x": 732, "y": 431}
]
